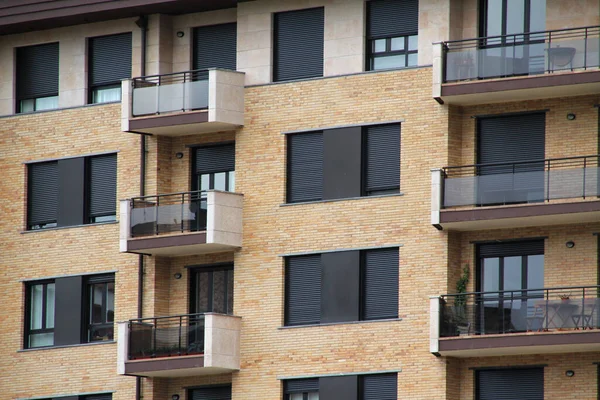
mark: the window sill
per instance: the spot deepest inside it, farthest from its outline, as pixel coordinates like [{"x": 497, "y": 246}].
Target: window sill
[
  {"x": 69, "y": 227},
  {"x": 341, "y": 323},
  {"x": 59, "y": 109},
  {"x": 66, "y": 346},
  {"x": 343, "y": 199}
]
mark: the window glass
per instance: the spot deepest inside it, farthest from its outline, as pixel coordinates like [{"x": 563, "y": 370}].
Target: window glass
[
  {"x": 232, "y": 181},
  {"x": 389, "y": 62},
  {"x": 27, "y": 105},
  {"x": 413, "y": 42},
  {"x": 398, "y": 43},
  {"x": 313, "y": 396},
  {"x": 494, "y": 18},
  {"x": 46, "y": 103},
  {"x": 101, "y": 310},
  {"x": 220, "y": 181},
  {"x": 412, "y": 60},
  {"x": 106, "y": 95},
  {"x": 515, "y": 16},
  {"x": 37, "y": 301},
  {"x": 513, "y": 273},
  {"x": 41, "y": 315},
  {"x": 50, "y": 298},
  {"x": 379, "y": 45}
]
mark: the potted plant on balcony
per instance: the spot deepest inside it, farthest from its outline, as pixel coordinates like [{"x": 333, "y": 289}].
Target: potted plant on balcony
[
  {"x": 460, "y": 303},
  {"x": 564, "y": 297}
]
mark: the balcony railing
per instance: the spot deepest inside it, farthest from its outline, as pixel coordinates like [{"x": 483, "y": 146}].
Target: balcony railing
[
  {"x": 166, "y": 336},
  {"x": 521, "y": 54},
  {"x": 513, "y": 311},
  {"x": 168, "y": 213},
  {"x": 521, "y": 182},
  {"x": 181, "y": 91}
]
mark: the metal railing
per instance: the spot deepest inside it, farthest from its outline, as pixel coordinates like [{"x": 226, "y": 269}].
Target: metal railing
[
  {"x": 167, "y": 213},
  {"x": 181, "y": 91},
  {"x": 166, "y": 336},
  {"x": 513, "y": 311},
  {"x": 521, "y": 54},
  {"x": 522, "y": 182}
]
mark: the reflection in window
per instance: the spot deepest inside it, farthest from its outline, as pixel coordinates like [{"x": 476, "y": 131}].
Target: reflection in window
[
  {"x": 41, "y": 315},
  {"x": 101, "y": 309},
  {"x": 394, "y": 52}
]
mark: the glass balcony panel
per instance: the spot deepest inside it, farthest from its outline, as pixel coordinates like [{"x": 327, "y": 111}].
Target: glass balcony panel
[{"x": 188, "y": 215}]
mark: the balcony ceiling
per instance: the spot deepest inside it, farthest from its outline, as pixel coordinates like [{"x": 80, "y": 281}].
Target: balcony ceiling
[{"x": 18, "y": 16}]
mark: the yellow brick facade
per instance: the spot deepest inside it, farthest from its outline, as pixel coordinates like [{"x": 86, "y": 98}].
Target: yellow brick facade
[{"x": 432, "y": 136}]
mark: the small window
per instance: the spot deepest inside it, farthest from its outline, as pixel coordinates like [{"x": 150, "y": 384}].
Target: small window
[
  {"x": 109, "y": 60},
  {"x": 305, "y": 167},
  {"x": 215, "y": 46},
  {"x": 212, "y": 290},
  {"x": 210, "y": 393},
  {"x": 37, "y": 78},
  {"x": 298, "y": 42},
  {"x": 102, "y": 192},
  {"x": 382, "y": 159},
  {"x": 214, "y": 167},
  {"x": 510, "y": 383},
  {"x": 392, "y": 31},
  {"x": 43, "y": 195},
  {"x": 101, "y": 308},
  {"x": 40, "y": 318},
  {"x": 301, "y": 389},
  {"x": 379, "y": 387}
]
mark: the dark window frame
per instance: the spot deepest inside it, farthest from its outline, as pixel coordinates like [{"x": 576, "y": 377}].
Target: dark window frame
[
  {"x": 28, "y": 331},
  {"x": 107, "y": 217},
  {"x": 93, "y": 88},
  {"x": 365, "y": 163},
  {"x": 287, "y": 392},
  {"x": 189, "y": 390},
  {"x": 362, "y": 291},
  {"x": 91, "y": 281},
  {"x": 372, "y": 54},
  {"x": 193, "y": 280},
  {"x": 195, "y": 177},
  {"x": 18, "y": 77}
]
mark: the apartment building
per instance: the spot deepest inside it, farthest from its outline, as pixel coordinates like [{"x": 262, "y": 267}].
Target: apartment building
[{"x": 300, "y": 199}]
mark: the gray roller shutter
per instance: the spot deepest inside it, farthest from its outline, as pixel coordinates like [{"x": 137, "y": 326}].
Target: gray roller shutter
[
  {"x": 215, "y": 46},
  {"x": 379, "y": 387},
  {"x": 37, "y": 71},
  {"x": 43, "y": 193},
  {"x": 511, "y": 138},
  {"x": 508, "y": 249},
  {"x": 388, "y": 18},
  {"x": 103, "y": 185},
  {"x": 382, "y": 158},
  {"x": 211, "y": 393},
  {"x": 510, "y": 384},
  {"x": 301, "y": 385},
  {"x": 298, "y": 44},
  {"x": 215, "y": 158},
  {"x": 303, "y": 290},
  {"x": 380, "y": 275},
  {"x": 305, "y": 167},
  {"x": 109, "y": 59}
]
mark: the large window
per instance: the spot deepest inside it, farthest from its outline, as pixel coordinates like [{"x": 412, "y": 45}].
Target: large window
[
  {"x": 70, "y": 310},
  {"x": 342, "y": 286},
  {"x": 37, "y": 78},
  {"x": 212, "y": 289},
  {"x": 109, "y": 59},
  {"x": 101, "y": 308},
  {"x": 392, "y": 33},
  {"x": 41, "y": 314},
  {"x": 362, "y": 387},
  {"x": 343, "y": 163},
  {"x": 72, "y": 191},
  {"x": 298, "y": 42},
  {"x": 214, "y": 167}
]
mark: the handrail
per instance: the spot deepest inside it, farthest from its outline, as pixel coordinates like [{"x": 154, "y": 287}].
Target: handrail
[
  {"x": 166, "y": 317},
  {"x": 482, "y": 38},
  {"x": 522, "y": 290},
  {"x": 521, "y": 162},
  {"x": 192, "y": 71},
  {"x": 167, "y": 194}
]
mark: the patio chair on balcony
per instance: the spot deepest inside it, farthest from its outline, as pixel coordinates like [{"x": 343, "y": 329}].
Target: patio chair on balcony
[
  {"x": 585, "y": 320},
  {"x": 535, "y": 321}
]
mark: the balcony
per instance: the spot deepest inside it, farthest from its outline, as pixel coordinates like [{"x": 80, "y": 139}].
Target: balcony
[
  {"x": 183, "y": 223},
  {"x": 516, "y": 67},
  {"x": 182, "y": 345},
  {"x": 509, "y": 195},
  {"x": 533, "y": 321},
  {"x": 183, "y": 103}
]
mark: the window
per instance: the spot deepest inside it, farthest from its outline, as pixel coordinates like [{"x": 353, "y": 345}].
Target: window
[
  {"x": 212, "y": 289},
  {"x": 72, "y": 191},
  {"x": 210, "y": 393},
  {"x": 298, "y": 41},
  {"x": 214, "y": 167},
  {"x": 215, "y": 47},
  {"x": 392, "y": 34},
  {"x": 510, "y": 266},
  {"x": 341, "y": 286},
  {"x": 109, "y": 59},
  {"x": 509, "y": 383},
  {"x": 41, "y": 314},
  {"x": 343, "y": 163},
  {"x": 104, "y": 396},
  {"x": 37, "y": 78},
  {"x": 70, "y": 310},
  {"x": 101, "y": 308},
  {"x": 361, "y": 387},
  {"x": 508, "y": 17}
]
